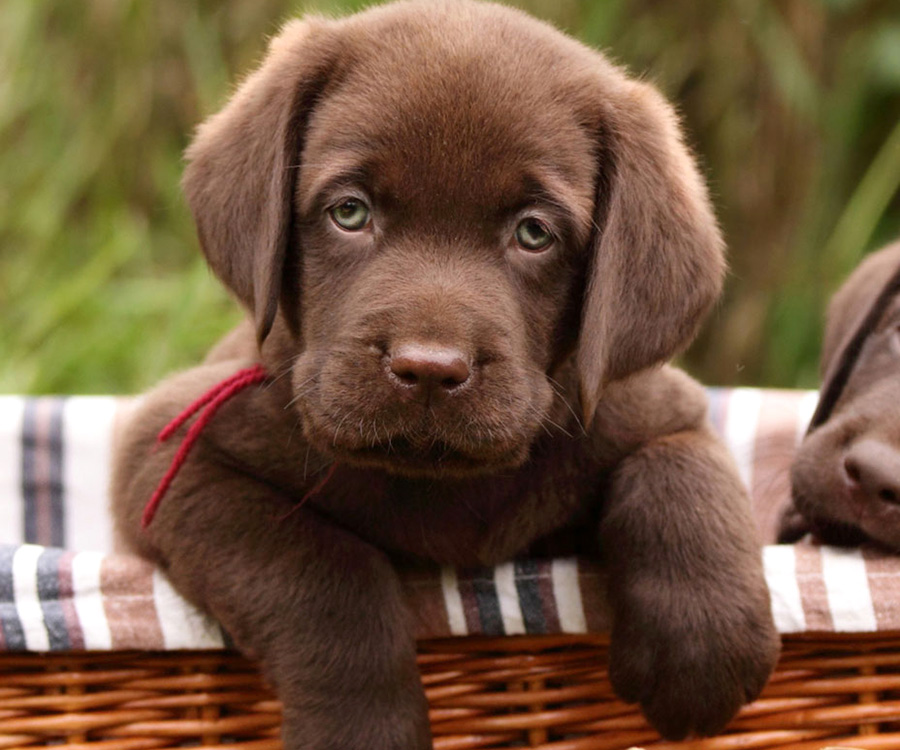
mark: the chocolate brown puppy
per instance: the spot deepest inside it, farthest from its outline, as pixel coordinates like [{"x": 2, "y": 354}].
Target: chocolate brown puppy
[
  {"x": 466, "y": 243},
  {"x": 846, "y": 476}
]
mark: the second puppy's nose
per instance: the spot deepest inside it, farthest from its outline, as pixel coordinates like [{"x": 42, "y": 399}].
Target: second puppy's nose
[
  {"x": 874, "y": 467},
  {"x": 429, "y": 368}
]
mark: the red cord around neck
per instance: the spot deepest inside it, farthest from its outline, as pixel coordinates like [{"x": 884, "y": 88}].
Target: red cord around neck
[
  {"x": 320, "y": 485},
  {"x": 212, "y": 400}
]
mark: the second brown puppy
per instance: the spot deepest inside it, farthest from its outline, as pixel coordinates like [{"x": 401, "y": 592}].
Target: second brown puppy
[
  {"x": 846, "y": 476},
  {"x": 466, "y": 243}
]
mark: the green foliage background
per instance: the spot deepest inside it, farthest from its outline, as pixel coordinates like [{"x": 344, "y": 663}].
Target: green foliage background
[{"x": 792, "y": 106}]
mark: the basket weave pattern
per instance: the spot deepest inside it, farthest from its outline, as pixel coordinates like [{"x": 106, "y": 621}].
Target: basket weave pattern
[{"x": 548, "y": 692}]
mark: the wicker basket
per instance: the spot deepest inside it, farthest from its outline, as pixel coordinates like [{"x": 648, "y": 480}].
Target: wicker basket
[{"x": 547, "y": 692}]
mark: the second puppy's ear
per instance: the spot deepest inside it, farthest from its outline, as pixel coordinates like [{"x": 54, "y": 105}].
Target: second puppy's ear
[
  {"x": 851, "y": 303},
  {"x": 658, "y": 261},
  {"x": 241, "y": 170}
]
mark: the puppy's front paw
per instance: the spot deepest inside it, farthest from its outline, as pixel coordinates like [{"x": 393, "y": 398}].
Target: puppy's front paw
[{"x": 691, "y": 663}]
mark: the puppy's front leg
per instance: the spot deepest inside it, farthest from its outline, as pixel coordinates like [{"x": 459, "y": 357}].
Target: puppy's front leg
[
  {"x": 693, "y": 637},
  {"x": 321, "y": 609}
]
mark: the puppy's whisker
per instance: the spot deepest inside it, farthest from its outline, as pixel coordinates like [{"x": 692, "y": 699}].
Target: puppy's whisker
[
  {"x": 558, "y": 390},
  {"x": 337, "y": 430},
  {"x": 301, "y": 391},
  {"x": 545, "y": 420},
  {"x": 541, "y": 418},
  {"x": 293, "y": 430},
  {"x": 558, "y": 394},
  {"x": 286, "y": 365},
  {"x": 280, "y": 370}
]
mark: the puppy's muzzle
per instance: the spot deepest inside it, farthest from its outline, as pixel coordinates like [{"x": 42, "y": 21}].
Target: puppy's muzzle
[{"x": 427, "y": 371}]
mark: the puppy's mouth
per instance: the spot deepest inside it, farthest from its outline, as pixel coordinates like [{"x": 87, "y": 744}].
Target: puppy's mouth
[
  {"x": 400, "y": 455},
  {"x": 837, "y": 534},
  {"x": 423, "y": 452}
]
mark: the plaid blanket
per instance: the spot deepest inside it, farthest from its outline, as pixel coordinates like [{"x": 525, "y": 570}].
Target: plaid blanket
[{"x": 63, "y": 586}]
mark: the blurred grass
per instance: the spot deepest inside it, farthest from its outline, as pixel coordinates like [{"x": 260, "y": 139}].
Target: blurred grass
[{"x": 792, "y": 106}]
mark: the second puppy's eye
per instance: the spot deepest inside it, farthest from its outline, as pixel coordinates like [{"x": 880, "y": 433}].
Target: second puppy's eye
[
  {"x": 351, "y": 214},
  {"x": 532, "y": 234}
]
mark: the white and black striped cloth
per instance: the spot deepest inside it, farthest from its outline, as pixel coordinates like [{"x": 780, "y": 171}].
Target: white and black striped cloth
[
  {"x": 63, "y": 588},
  {"x": 54, "y": 470}
]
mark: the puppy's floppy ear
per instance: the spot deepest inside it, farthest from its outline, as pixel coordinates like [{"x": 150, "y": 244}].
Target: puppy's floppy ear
[
  {"x": 241, "y": 170},
  {"x": 852, "y": 302},
  {"x": 658, "y": 258},
  {"x": 853, "y": 317}
]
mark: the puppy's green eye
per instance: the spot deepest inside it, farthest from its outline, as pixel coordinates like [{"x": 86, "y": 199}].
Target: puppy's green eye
[
  {"x": 350, "y": 214},
  {"x": 532, "y": 234}
]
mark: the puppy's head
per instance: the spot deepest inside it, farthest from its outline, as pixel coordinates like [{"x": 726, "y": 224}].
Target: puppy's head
[
  {"x": 846, "y": 477},
  {"x": 443, "y": 203}
]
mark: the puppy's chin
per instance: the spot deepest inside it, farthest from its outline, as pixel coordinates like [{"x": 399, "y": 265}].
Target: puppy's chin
[
  {"x": 438, "y": 461},
  {"x": 419, "y": 457},
  {"x": 823, "y": 529},
  {"x": 827, "y": 530}
]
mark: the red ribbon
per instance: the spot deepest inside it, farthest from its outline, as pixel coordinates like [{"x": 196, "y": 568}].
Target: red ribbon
[{"x": 212, "y": 400}]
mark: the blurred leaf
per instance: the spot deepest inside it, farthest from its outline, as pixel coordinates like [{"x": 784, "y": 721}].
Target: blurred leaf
[
  {"x": 866, "y": 206},
  {"x": 886, "y": 56},
  {"x": 779, "y": 47}
]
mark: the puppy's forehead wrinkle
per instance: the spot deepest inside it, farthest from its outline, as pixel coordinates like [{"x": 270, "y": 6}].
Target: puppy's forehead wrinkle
[
  {"x": 432, "y": 158},
  {"x": 463, "y": 120}
]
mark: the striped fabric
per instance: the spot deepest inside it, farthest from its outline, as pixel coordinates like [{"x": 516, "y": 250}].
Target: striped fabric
[
  {"x": 54, "y": 600},
  {"x": 62, "y": 586},
  {"x": 54, "y": 470}
]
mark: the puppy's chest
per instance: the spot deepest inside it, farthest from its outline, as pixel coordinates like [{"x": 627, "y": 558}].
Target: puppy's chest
[{"x": 464, "y": 522}]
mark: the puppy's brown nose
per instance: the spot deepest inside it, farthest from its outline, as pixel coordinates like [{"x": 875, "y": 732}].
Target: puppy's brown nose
[
  {"x": 428, "y": 369},
  {"x": 873, "y": 468}
]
